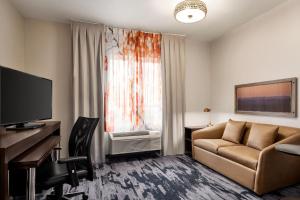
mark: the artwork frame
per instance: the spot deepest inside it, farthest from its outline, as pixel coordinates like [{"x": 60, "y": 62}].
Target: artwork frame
[{"x": 279, "y": 99}]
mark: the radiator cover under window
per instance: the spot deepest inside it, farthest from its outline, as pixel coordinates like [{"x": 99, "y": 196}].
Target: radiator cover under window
[{"x": 134, "y": 143}]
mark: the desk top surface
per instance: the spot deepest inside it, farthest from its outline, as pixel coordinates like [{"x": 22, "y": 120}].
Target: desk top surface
[{"x": 9, "y": 138}]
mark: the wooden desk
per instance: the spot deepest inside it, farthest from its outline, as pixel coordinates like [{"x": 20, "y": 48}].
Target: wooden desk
[
  {"x": 35, "y": 156},
  {"x": 19, "y": 143}
]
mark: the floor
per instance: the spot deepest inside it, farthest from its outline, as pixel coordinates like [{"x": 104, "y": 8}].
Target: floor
[{"x": 170, "y": 178}]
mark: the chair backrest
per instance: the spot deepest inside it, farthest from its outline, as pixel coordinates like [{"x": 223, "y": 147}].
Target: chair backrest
[{"x": 80, "y": 142}]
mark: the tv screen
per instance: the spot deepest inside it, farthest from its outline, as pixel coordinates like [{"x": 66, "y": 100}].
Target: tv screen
[{"x": 24, "y": 97}]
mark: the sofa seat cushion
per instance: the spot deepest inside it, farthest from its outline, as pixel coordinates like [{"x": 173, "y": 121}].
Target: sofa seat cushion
[
  {"x": 212, "y": 145},
  {"x": 242, "y": 154}
]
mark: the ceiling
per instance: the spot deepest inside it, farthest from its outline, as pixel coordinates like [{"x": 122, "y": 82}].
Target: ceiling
[{"x": 148, "y": 15}]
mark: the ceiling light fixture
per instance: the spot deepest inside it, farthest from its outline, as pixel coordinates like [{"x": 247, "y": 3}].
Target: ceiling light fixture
[{"x": 190, "y": 11}]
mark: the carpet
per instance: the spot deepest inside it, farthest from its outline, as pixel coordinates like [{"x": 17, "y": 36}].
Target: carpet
[{"x": 169, "y": 178}]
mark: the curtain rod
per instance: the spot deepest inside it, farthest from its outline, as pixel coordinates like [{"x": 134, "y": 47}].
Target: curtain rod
[{"x": 90, "y": 22}]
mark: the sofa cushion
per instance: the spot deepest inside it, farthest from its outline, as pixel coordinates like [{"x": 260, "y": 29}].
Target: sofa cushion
[
  {"x": 262, "y": 135},
  {"x": 234, "y": 131},
  {"x": 212, "y": 145},
  {"x": 242, "y": 154}
]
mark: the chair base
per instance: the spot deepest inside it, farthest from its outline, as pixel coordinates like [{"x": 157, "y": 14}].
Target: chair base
[
  {"x": 57, "y": 194},
  {"x": 67, "y": 196}
]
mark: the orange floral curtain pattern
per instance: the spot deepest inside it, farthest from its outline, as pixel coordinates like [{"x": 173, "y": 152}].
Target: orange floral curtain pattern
[{"x": 133, "y": 85}]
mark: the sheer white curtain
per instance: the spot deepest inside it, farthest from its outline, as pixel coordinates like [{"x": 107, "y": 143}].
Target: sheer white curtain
[
  {"x": 87, "y": 45},
  {"x": 173, "y": 73},
  {"x": 133, "y": 90}
]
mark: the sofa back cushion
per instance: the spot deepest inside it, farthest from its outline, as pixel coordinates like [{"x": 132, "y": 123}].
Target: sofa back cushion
[
  {"x": 283, "y": 132},
  {"x": 234, "y": 131},
  {"x": 262, "y": 135}
]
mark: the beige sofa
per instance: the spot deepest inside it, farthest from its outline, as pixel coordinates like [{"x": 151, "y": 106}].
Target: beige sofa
[{"x": 260, "y": 171}]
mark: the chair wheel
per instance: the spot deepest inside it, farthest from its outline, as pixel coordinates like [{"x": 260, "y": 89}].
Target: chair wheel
[{"x": 85, "y": 197}]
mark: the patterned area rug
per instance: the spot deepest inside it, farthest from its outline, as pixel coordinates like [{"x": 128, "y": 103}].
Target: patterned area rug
[{"x": 170, "y": 178}]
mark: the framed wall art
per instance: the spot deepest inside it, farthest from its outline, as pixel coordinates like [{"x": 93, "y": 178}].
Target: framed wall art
[{"x": 271, "y": 98}]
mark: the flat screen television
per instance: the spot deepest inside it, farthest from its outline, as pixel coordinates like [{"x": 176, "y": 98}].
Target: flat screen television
[{"x": 24, "y": 98}]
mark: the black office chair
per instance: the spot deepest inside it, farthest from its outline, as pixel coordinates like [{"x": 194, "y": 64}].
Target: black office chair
[{"x": 77, "y": 166}]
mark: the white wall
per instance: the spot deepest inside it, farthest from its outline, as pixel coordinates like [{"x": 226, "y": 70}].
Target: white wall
[
  {"x": 197, "y": 79},
  {"x": 48, "y": 54},
  {"x": 11, "y": 36},
  {"x": 266, "y": 48}
]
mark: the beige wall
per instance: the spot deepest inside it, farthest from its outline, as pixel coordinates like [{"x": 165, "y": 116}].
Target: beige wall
[
  {"x": 48, "y": 54},
  {"x": 44, "y": 49},
  {"x": 11, "y": 36},
  {"x": 265, "y": 48},
  {"x": 197, "y": 87}
]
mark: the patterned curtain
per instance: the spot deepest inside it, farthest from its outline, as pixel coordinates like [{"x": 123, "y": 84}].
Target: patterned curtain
[{"x": 133, "y": 85}]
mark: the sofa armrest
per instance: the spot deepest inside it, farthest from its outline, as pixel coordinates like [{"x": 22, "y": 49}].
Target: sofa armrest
[
  {"x": 277, "y": 169},
  {"x": 212, "y": 132}
]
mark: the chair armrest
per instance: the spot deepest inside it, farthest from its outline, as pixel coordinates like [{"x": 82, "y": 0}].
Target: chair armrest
[
  {"x": 277, "y": 169},
  {"x": 72, "y": 159},
  {"x": 213, "y": 132}
]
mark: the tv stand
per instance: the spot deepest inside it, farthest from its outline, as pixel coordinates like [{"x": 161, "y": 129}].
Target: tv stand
[{"x": 25, "y": 126}]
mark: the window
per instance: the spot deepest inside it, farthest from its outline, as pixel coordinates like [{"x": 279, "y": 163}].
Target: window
[{"x": 133, "y": 85}]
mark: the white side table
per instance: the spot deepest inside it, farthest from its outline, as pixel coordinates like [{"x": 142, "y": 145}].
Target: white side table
[{"x": 293, "y": 149}]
